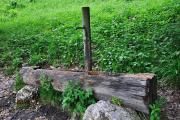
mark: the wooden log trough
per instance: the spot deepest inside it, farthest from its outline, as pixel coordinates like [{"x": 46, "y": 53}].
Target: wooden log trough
[{"x": 136, "y": 91}]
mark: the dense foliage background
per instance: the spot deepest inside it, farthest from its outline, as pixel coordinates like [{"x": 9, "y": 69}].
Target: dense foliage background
[{"x": 128, "y": 35}]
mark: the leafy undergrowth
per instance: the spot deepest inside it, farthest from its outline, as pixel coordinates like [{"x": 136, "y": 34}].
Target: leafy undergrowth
[
  {"x": 127, "y": 36},
  {"x": 47, "y": 94},
  {"x": 74, "y": 99}
]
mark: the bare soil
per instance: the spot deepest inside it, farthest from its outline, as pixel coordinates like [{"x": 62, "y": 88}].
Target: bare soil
[
  {"x": 35, "y": 112},
  {"x": 171, "y": 111}
]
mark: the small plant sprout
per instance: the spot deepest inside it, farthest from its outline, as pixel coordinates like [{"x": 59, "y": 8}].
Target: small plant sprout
[
  {"x": 116, "y": 101},
  {"x": 156, "y": 108}
]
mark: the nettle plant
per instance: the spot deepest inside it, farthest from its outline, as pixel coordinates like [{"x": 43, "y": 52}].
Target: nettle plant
[{"x": 76, "y": 100}]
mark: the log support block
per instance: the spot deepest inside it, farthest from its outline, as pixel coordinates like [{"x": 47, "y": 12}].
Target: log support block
[{"x": 136, "y": 91}]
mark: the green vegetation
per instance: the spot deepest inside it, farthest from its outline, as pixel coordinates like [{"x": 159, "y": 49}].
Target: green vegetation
[
  {"x": 127, "y": 35},
  {"x": 156, "y": 109},
  {"x": 76, "y": 100},
  {"x": 116, "y": 101},
  {"x": 47, "y": 93},
  {"x": 19, "y": 83}
]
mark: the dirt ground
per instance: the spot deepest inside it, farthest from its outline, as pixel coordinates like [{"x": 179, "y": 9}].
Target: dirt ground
[
  {"x": 35, "y": 112},
  {"x": 44, "y": 112},
  {"x": 171, "y": 111}
]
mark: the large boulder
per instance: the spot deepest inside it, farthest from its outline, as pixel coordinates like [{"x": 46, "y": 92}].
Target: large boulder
[
  {"x": 106, "y": 111},
  {"x": 26, "y": 94}
]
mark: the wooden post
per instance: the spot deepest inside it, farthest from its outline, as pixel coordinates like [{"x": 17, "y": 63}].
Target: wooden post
[{"x": 87, "y": 38}]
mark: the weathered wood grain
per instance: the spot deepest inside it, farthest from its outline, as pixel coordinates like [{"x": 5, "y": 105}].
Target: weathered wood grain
[
  {"x": 136, "y": 90},
  {"x": 87, "y": 38}
]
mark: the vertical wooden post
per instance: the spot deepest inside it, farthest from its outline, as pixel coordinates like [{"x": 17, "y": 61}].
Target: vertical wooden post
[{"x": 87, "y": 38}]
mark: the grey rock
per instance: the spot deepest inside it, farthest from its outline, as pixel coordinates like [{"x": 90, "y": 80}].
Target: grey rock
[
  {"x": 27, "y": 76},
  {"x": 26, "y": 94},
  {"x": 106, "y": 111}
]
